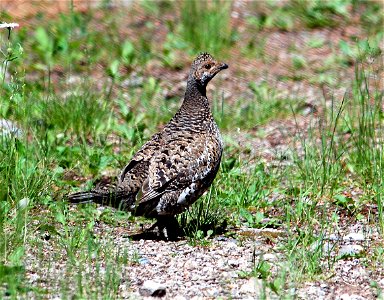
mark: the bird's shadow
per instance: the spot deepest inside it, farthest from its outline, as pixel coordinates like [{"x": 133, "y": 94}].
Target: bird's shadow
[
  {"x": 152, "y": 236},
  {"x": 155, "y": 235}
]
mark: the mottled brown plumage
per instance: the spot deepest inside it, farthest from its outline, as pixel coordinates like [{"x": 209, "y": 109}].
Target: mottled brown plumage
[{"x": 177, "y": 165}]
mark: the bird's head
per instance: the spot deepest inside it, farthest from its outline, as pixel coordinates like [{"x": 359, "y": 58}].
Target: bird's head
[{"x": 205, "y": 67}]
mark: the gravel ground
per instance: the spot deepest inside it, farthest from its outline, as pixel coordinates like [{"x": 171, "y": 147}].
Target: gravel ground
[{"x": 219, "y": 269}]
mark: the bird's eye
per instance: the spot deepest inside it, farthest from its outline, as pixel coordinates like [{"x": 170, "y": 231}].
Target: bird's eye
[{"x": 207, "y": 66}]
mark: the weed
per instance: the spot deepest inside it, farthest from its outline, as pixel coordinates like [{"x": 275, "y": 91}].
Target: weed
[
  {"x": 319, "y": 164},
  {"x": 298, "y": 62},
  {"x": 291, "y": 14},
  {"x": 321, "y": 13},
  {"x": 316, "y": 42},
  {"x": 203, "y": 219},
  {"x": 365, "y": 125},
  {"x": 206, "y": 25},
  {"x": 249, "y": 114}
]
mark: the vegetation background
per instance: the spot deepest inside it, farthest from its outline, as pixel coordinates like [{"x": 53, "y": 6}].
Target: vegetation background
[{"x": 84, "y": 83}]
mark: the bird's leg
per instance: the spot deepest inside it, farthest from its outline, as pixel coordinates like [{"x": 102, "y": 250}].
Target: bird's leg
[
  {"x": 167, "y": 229},
  {"x": 171, "y": 226}
]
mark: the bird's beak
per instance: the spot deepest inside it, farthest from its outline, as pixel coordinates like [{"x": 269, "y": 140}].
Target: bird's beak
[
  {"x": 220, "y": 67},
  {"x": 213, "y": 73},
  {"x": 223, "y": 66}
]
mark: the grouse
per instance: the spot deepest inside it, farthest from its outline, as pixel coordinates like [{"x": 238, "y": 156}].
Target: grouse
[{"x": 177, "y": 165}]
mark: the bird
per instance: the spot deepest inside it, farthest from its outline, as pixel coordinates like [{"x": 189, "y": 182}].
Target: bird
[{"x": 176, "y": 165}]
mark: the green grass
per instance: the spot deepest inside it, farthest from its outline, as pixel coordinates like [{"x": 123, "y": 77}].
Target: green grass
[
  {"x": 292, "y": 14},
  {"x": 332, "y": 160},
  {"x": 264, "y": 105},
  {"x": 206, "y": 25},
  {"x": 63, "y": 83}
]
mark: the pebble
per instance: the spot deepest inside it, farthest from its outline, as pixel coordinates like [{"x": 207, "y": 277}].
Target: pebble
[
  {"x": 151, "y": 288},
  {"x": 74, "y": 80},
  {"x": 354, "y": 237},
  {"x": 233, "y": 263},
  {"x": 312, "y": 291},
  {"x": 350, "y": 297},
  {"x": 217, "y": 271},
  {"x": 350, "y": 250},
  {"x": 333, "y": 237},
  {"x": 269, "y": 257},
  {"x": 23, "y": 203},
  {"x": 143, "y": 261},
  {"x": 221, "y": 238},
  {"x": 9, "y": 128},
  {"x": 252, "y": 285},
  {"x": 133, "y": 81},
  {"x": 381, "y": 283},
  {"x": 309, "y": 109}
]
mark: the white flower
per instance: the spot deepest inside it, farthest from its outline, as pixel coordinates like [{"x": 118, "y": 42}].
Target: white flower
[{"x": 9, "y": 25}]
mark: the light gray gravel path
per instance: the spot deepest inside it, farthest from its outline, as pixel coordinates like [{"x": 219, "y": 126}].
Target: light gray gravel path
[{"x": 218, "y": 268}]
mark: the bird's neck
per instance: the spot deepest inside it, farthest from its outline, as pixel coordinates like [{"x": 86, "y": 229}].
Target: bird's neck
[
  {"x": 195, "y": 113},
  {"x": 195, "y": 98}
]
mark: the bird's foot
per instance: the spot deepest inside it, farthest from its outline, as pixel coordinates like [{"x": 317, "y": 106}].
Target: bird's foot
[
  {"x": 169, "y": 228},
  {"x": 166, "y": 228}
]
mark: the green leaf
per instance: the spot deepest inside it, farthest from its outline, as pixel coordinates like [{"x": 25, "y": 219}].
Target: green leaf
[
  {"x": 317, "y": 42},
  {"x": 114, "y": 69},
  {"x": 343, "y": 200},
  {"x": 128, "y": 51},
  {"x": 43, "y": 39},
  {"x": 16, "y": 255},
  {"x": 346, "y": 48}
]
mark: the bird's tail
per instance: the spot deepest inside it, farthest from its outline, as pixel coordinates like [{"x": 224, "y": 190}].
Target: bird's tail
[
  {"x": 88, "y": 197},
  {"x": 114, "y": 198}
]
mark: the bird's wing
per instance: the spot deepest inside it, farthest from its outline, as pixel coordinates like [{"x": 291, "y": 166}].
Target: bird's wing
[
  {"x": 178, "y": 164},
  {"x": 143, "y": 155}
]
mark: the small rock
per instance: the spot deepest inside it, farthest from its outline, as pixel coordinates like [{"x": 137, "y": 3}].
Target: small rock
[
  {"x": 351, "y": 250},
  {"x": 309, "y": 108},
  {"x": 152, "y": 288},
  {"x": 312, "y": 292},
  {"x": 350, "y": 297},
  {"x": 33, "y": 277},
  {"x": 354, "y": 237},
  {"x": 23, "y": 203},
  {"x": 333, "y": 237},
  {"x": 191, "y": 265},
  {"x": 9, "y": 128},
  {"x": 133, "y": 81},
  {"x": 252, "y": 285},
  {"x": 212, "y": 292},
  {"x": 327, "y": 246},
  {"x": 269, "y": 257},
  {"x": 74, "y": 79},
  {"x": 46, "y": 236},
  {"x": 221, "y": 238},
  {"x": 233, "y": 263},
  {"x": 143, "y": 261},
  {"x": 381, "y": 283}
]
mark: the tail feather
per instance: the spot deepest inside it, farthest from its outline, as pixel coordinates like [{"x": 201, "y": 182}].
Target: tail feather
[
  {"x": 114, "y": 198},
  {"x": 87, "y": 197}
]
